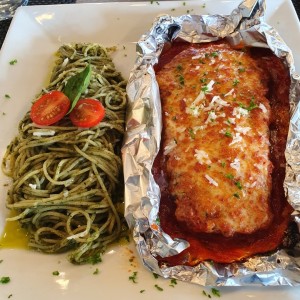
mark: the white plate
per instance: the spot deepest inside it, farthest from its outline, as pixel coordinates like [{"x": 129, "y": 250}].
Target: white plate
[{"x": 35, "y": 34}]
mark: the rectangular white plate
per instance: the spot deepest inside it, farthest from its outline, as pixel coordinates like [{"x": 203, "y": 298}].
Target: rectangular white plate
[{"x": 34, "y": 36}]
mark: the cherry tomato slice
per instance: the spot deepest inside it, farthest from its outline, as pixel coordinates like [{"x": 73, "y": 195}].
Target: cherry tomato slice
[
  {"x": 50, "y": 108},
  {"x": 87, "y": 113}
]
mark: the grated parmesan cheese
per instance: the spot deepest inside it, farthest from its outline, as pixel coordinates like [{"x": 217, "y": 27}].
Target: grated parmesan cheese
[
  {"x": 236, "y": 164},
  {"x": 262, "y": 107},
  {"x": 201, "y": 127},
  {"x": 211, "y": 180},
  {"x": 33, "y": 186},
  {"x": 239, "y": 111},
  {"x": 168, "y": 148},
  {"x": 216, "y": 103},
  {"x": 229, "y": 93},
  {"x": 44, "y": 133},
  {"x": 202, "y": 157},
  {"x": 210, "y": 85},
  {"x": 236, "y": 139},
  {"x": 242, "y": 129}
]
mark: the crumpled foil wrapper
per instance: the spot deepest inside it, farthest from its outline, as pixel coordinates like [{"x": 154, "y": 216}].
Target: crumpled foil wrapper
[{"x": 142, "y": 142}]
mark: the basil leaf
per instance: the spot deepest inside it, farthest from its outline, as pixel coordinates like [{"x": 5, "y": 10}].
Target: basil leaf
[{"x": 76, "y": 85}]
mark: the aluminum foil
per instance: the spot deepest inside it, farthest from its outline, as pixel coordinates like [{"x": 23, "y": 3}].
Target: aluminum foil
[{"x": 142, "y": 140}]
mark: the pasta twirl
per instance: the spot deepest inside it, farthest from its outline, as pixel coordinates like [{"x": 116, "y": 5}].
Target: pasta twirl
[{"x": 67, "y": 187}]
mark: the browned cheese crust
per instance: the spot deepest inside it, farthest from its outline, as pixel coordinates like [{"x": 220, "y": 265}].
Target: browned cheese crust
[{"x": 216, "y": 139}]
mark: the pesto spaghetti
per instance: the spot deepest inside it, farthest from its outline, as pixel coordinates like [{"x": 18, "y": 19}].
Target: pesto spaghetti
[{"x": 67, "y": 185}]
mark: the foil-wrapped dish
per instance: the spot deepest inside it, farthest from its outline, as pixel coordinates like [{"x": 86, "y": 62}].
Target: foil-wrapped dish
[{"x": 211, "y": 150}]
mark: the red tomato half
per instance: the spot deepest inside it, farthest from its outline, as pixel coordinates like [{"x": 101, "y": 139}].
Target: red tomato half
[
  {"x": 87, "y": 113},
  {"x": 50, "y": 108}
]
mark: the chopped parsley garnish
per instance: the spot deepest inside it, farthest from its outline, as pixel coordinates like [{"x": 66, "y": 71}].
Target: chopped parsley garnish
[
  {"x": 96, "y": 271},
  {"x": 192, "y": 133},
  {"x": 204, "y": 89},
  {"x": 181, "y": 79},
  {"x": 203, "y": 80},
  {"x": 236, "y": 195},
  {"x": 241, "y": 69},
  {"x": 142, "y": 291},
  {"x": 235, "y": 82},
  {"x": 227, "y": 133},
  {"x": 158, "y": 287},
  {"x": 7, "y": 96},
  {"x": 55, "y": 273},
  {"x": 155, "y": 275},
  {"x": 94, "y": 259},
  {"x": 229, "y": 176},
  {"x": 179, "y": 68},
  {"x": 214, "y": 54},
  {"x": 13, "y": 62},
  {"x": 223, "y": 164},
  {"x": 206, "y": 294},
  {"x": 251, "y": 106},
  {"x": 4, "y": 279},
  {"x": 215, "y": 292},
  {"x": 239, "y": 185},
  {"x": 173, "y": 282},
  {"x": 133, "y": 277}
]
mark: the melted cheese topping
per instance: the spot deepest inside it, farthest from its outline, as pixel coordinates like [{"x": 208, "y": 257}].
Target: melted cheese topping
[{"x": 219, "y": 169}]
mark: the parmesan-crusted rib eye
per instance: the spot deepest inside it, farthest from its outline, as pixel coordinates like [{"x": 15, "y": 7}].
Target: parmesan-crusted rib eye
[{"x": 216, "y": 139}]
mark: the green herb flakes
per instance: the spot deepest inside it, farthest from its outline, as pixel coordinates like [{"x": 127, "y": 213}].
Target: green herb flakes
[
  {"x": 133, "y": 277},
  {"x": 96, "y": 271},
  {"x": 239, "y": 185},
  {"x": 228, "y": 133},
  {"x": 235, "y": 82},
  {"x": 4, "y": 279},
  {"x": 142, "y": 291},
  {"x": 173, "y": 282},
  {"x": 251, "y": 106},
  {"x": 204, "y": 89},
  {"x": 155, "y": 275},
  {"x": 179, "y": 68},
  {"x": 181, "y": 80},
  {"x": 7, "y": 96},
  {"x": 94, "y": 259},
  {"x": 229, "y": 176},
  {"x": 192, "y": 133},
  {"x": 158, "y": 287},
  {"x": 215, "y": 292},
  {"x": 236, "y": 195},
  {"x": 13, "y": 62},
  {"x": 55, "y": 273}
]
